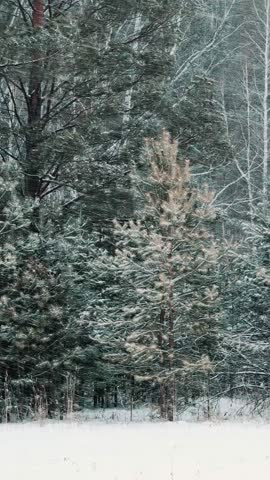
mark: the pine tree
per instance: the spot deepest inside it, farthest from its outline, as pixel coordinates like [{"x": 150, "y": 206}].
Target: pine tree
[
  {"x": 41, "y": 345},
  {"x": 157, "y": 318},
  {"x": 68, "y": 115}
]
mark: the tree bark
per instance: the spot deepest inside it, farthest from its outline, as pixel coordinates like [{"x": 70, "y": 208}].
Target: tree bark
[
  {"x": 265, "y": 104},
  {"x": 170, "y": 388},
  {"x": 32, "y": 177},
  {"x": 38, "y": 13},
  {"x": 162, "y": 390}
]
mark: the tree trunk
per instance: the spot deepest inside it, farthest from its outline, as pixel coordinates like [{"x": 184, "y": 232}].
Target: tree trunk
[
  {"x": 38, "y": 13},
  {"x": 107, "y": 397},
  {"x": 115, "y": 397},
  {"x": 265, "y": 104},
  {"x": 132, "y": 384},
  {"x": 162, "y": 390},
  {"x": 170, "y": 400},
  {"x": 32, "y": 173},
  {"x": 170, "y": 388},
  {"x": 162, "y": 401}
]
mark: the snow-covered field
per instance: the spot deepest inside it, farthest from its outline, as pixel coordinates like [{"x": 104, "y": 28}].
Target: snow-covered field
[{"x": 137, "y": 451}]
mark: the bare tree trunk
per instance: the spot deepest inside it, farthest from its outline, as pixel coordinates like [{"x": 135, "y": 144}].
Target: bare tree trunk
[
  {"x": 162, "y": 401},
  {"x": 265, "y": 104},
  {"x": 170, "y": 401},
  {"x": 107, "y": 397},
  {"x": 170, "y": 390},
  {"x": 115, "y": 397},
  {"x": 32, "y": 181},
  {"x": 129, "y": 92},
  {"x": 162, "y": 390},
  {"x": 132, "y": 383},
  {"x": 248, "y": 147}
]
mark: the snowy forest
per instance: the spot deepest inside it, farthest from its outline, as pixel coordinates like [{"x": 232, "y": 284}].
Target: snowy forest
[{"x": 134, "y": 205}]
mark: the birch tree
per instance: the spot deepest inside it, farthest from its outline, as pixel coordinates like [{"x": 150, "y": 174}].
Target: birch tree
[{"x": 247, "y": 108}]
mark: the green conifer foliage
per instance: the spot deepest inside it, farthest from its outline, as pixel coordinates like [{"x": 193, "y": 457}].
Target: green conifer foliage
[
  {"x": 158, "y": 316},
  {"x": 246, "y": 314}
]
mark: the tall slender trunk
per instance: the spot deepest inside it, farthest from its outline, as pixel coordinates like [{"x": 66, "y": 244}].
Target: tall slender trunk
[
  {"x": 171, "y": 344},
  {"x": 167, "y": 390},
  {"x": 115, "y": 397},
  {"x": 32, "y": 181},
  {"x": 265, "y": 105},
  {"x": 162, "y": 401},
  {"x": 162, "y": 390},
  {"x": 248, "y": 148},
  {"x": 132, "y": 384},
  {"x": 129, "y": 92}
]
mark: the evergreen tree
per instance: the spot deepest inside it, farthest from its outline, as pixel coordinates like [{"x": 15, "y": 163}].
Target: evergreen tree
[
  {"x": 246, "y": 315},
  {"x": 157, "y": 318},
  {"x": 41, "y": 345}
]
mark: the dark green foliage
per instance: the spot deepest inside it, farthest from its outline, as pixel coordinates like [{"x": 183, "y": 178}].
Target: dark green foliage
[{"x": 246, "y": 314}]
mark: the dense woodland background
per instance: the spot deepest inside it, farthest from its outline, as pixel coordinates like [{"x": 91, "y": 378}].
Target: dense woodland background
[{"x": 134, "y": 203}]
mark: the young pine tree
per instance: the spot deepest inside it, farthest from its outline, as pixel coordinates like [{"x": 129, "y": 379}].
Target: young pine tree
[{"x": 158, "y": 315}]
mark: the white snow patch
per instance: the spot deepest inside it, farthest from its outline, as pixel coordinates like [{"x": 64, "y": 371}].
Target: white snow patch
[
  {"x": 224, "y": 408},
  {"x": 201, "y": 409},
  {"x": 159, "y": 451}
]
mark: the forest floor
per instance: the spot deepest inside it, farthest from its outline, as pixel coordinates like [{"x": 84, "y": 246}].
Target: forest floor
[{"x": 135, "y": 451}]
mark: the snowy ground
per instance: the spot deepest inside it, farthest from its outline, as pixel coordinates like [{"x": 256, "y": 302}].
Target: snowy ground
[
  {"x": 137, "y": 451},
  {"x": 196, "y": 411}
]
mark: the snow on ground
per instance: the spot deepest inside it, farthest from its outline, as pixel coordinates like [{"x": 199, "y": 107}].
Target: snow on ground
[
  {"x": 224, "y": 408},
  {"x": 135, "y": 451}
]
